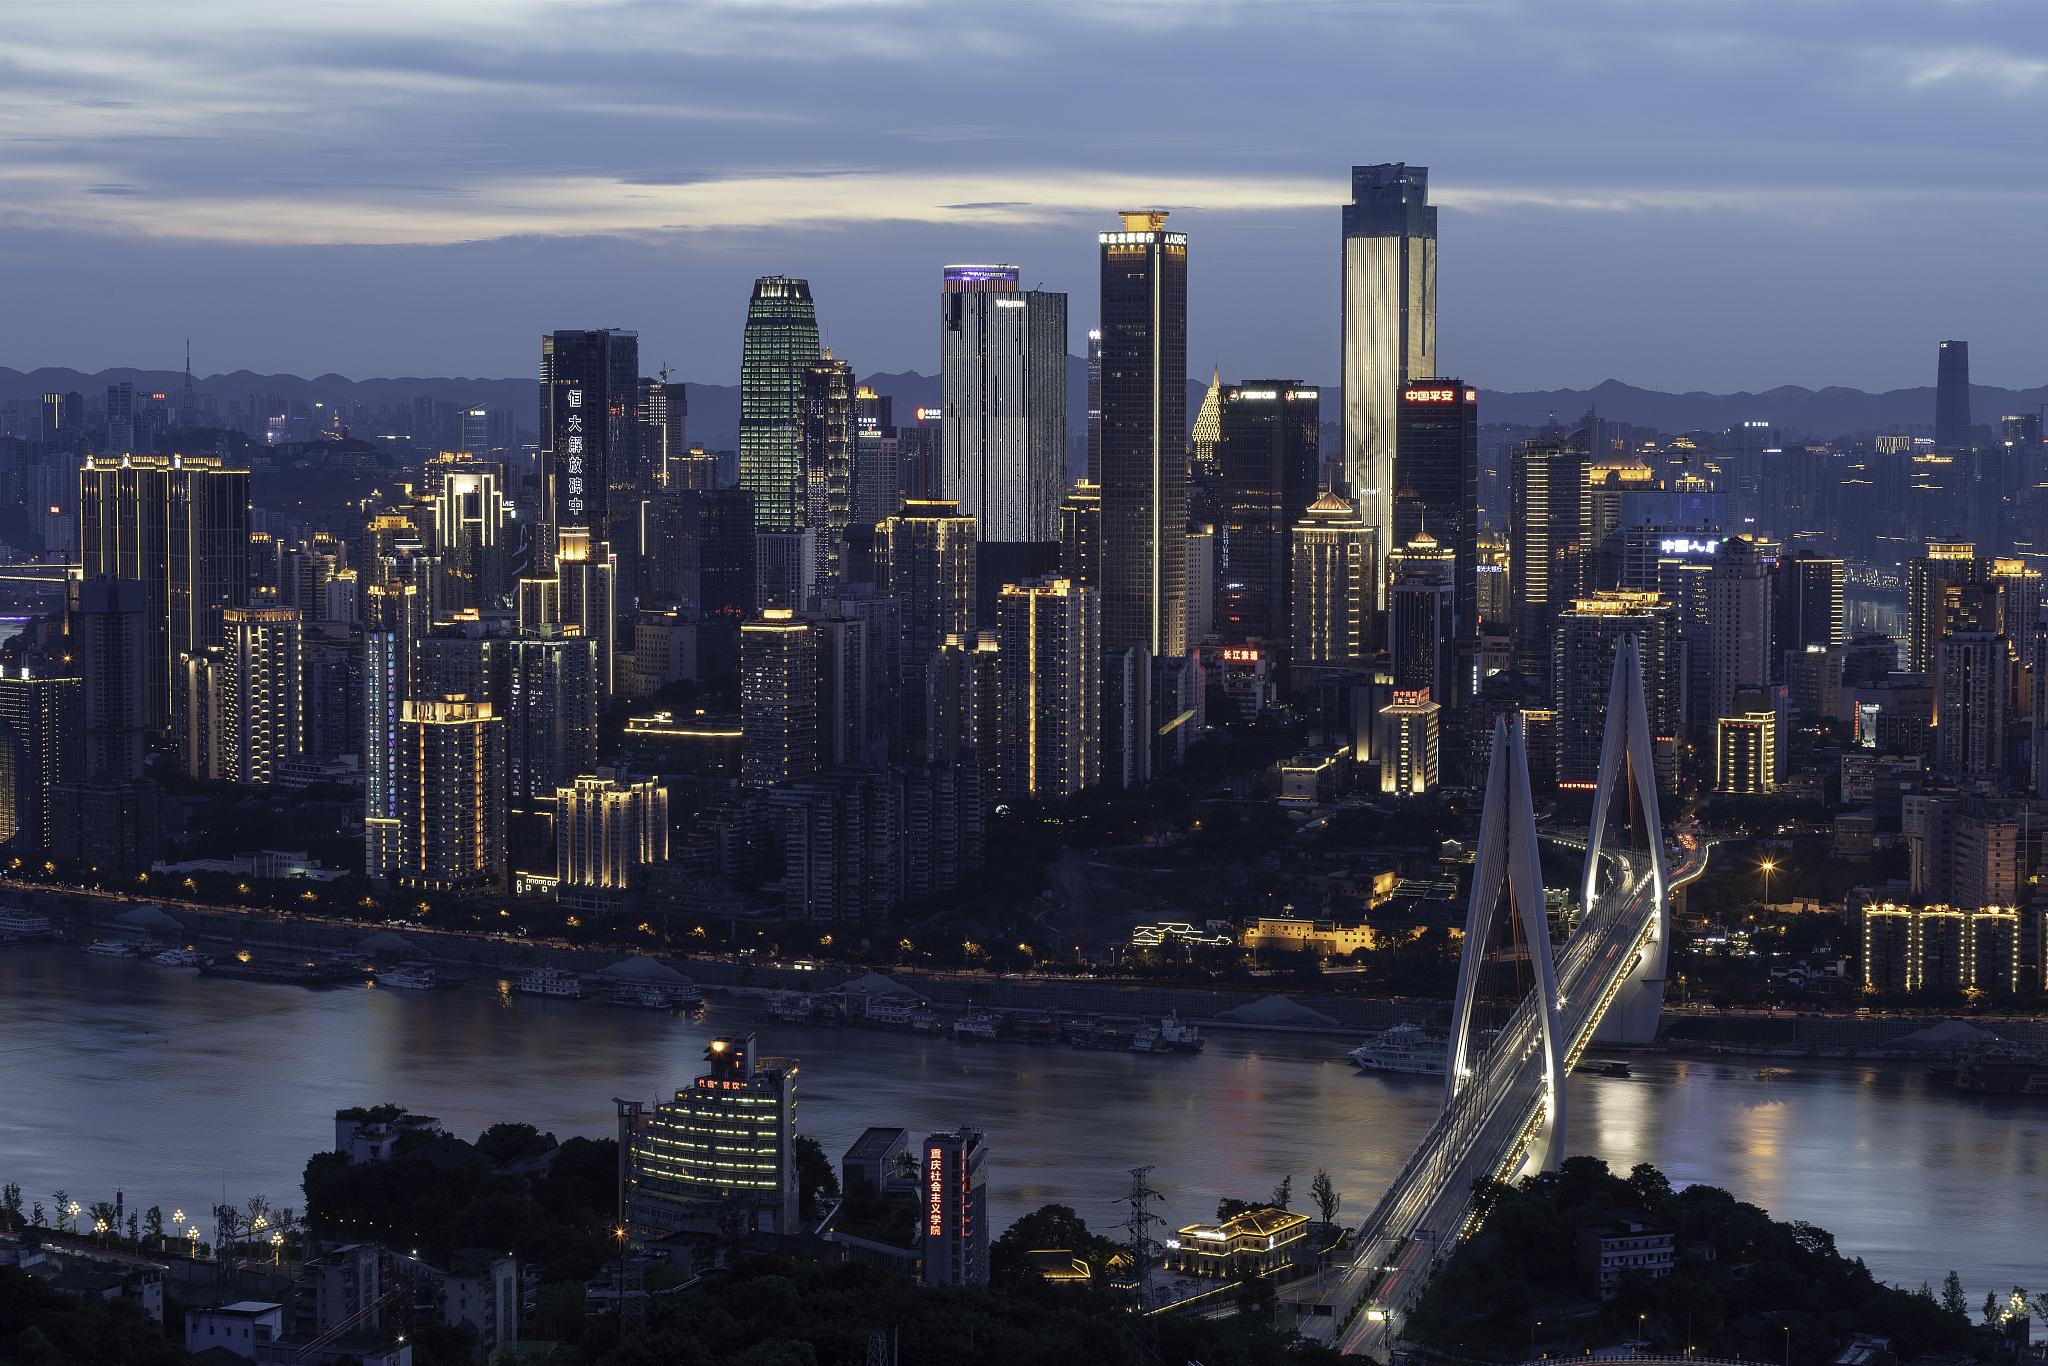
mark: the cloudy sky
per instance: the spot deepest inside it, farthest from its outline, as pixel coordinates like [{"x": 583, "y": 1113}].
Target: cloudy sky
[{"x": 1684, "y": 197}]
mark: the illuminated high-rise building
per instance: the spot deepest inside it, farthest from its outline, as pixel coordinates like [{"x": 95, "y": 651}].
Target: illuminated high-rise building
[
  {"x": 781, "y": 343},
  {"x": 829, "y": 426},
  {"x": 1407, "y": 745},
  {"x": 469, "y": 521},
  {"x": 778, "y": 699},
  {"x": 664, "y": 447},
  {"x": 1806, "y": 607},
  {"x": 1421, "y": 615},
  {"x": 1335, "y": 567},
  {"x": 588, "y": 594},
  {"x": 109, "y": 647},
  {"x": 1003, "y": 367},
  {"x": 1545, "y": 544},
  {"x": 550, "y": 712},
  {"x": 1144, "y": 436},
  {"x": 1049, "y": 660},
  {"x": 927, "y": 558},
  {"x": 1081, "y": 533},
  {"x": 1266, "y": 456},
  {"x": 608, "y": 828},
  {"x": 1389, "y": 325},
  {"x": 262, "y": 700},
  {"x": 726, "y": 1139},
  {"x": 1928, "y": 579},
  {"x": 451, "y": 822},
  {"x": 1094, "y": 472},
  {"x": 955, "y": 1214},
  {"x": 39, "y": 749},
  {"x": 1436, "y": 474},
  {"x": 180, "y": 525},
  {"x": 590, "y": 431},
  {"x": 1589, "y": 632}
]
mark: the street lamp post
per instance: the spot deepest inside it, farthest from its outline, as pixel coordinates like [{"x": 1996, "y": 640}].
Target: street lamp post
[{"x": 1768, "y": 865}]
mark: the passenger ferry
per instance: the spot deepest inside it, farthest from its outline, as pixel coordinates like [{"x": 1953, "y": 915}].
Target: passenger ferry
[
  {"x": 978, "y": 1025},
  {"x": 1409, "y": 1047},
  {"x": 551, "y": 982},
  {"x": 1170, "y": 1037},
  {"x": 684, "y": 997},
  {"x": 179, "y": 958},
  {"x": 110, "y": 948},
  {"x": 413, "y": 976}
]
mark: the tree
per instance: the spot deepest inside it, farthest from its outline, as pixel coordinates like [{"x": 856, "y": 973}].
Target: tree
[
  {"x": 1650, "y": 1187},
  {"x": 135, "y": 1229},
  {"x": 1327, "y": 1197},
  {"x": 102, "y": 1215},
  {"x": 1228, "y": 1209},
  {"x": 153, "y": 1222},
  {"x": 503, "y": 1143},
  {"x": 1283, "y": 1192},
  {"x": 1952, "y": 1301},
  {"x": 813, "y": 1175},
  {"x": 38, "y": 1220},
  {"x": 63, "y": 1199},
  {"x": 10, "y": 1204},
  {"x": 1990, "y": 1307}
]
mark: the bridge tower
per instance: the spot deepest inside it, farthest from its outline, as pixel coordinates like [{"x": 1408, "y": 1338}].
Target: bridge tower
[
  {"x": 1628, "y": 768},
  {"x": 1508, "y": 859}
]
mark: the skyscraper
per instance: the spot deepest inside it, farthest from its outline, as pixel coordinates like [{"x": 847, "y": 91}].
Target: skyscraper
[
  {"x": 1050, "y": 694},
  {"x": 1436, "y": 480},
  {"x": 590, "y": 429},
  {"x": 1928, "y": 579},
  {"x": 469, "y": 520},
  {"x": 829, "y": 426},
  {"x": 1003, "y": 366},
  {"x": 452, "y": 796},
  {"x": 1268, "y": 463},
  {"x": 1389, "y": 325},
  {"x": 109, "y": 644},
  {"x": 1806, "y": 606},
  {"x": 778, "y": 699},
  {"x": 1545, "y": 545},
  {"x": 1081, "y": 534},
  {"x": 550, "y": 731},
  {"x": 727, "y": 1137},
  {"x": 180, "y": 525},
  {"x": 1335, "y": 566},
  {"x": 588, "y": 593},
  {"x": 926, "y": 558},
  {"x": 262, "y": 698},
  {"x": 1094, "y": 405},
  {"x": 955, "y": 1186},
  {"x": 1582, "y": 673},
  {"x": 39, "y": 748},
  {"x": 1144, "y": 436},
  {"x": 1738, "y": 623},
  {"x": 1421, "y": 588},
  {"x": 1952, "y": 398},
  {"x": 781, "y": 342},
  {"x": 608, "y": 828}
]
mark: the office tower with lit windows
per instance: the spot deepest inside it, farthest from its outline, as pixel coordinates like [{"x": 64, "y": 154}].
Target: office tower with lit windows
[
  {"x": 1972, "y": 678},
  {"x": 962, "y": 700},
  {"x": 1738, "y": 612},
  {"x": 179, "y": 525},
  {"x": 608, "y": 828},
  {"x": 39, "y": 725},
  {"x": 927, "y": 558},
  {"x": 1928, "y": 580},
  {"x": 785, "y": 568},
  {"x": 1952, "y": 398},
  {"x": 590, "y": 432},
  {"x": 1422, "y": 617},
  {"x": 261, "y": 702},
  {"x": 1589, "y": 632},
  {"x": 726, "y": 1139},
  {"x": 1267, "y": 459},
  {"x": 1049, "y": 635},
  {"x": 1335, "y": 567},
  {"x": 1094, "y": 471},
  {"x": 664, "y": 446},
  {"x": 781, "y": 344},
  {"x": 829, "y": 426},
  {"x": 1003, "y": 369},
  {"x": 1389, "y": 326},
  {"x": 1806, "y": 605},
  {"x": 62, "y": 422},
  {"x": 1144, "y": 436},
  {"x": 1408, "y": 742},
  {"x": 1746, "y": 753},
  {"x": 1436, "y": 481},
  {"x": 469, "y": 524},
  {"x": 1081, "y": 534},
  {"x": 1545, "y": 544},
  {"x": 451, "y": 823},
  {"x": 550, "y": 724},
  {"x": 109, "y": 646},
  {"x": 955, "y": 1213},
  {"x": 1202, "y": 582},
  {"x": 779, "y": 688},
  {"x": 587, "y": 574}
]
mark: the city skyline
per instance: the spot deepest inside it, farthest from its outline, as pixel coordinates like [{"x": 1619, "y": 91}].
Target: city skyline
[{"x": 415, "y": 203}]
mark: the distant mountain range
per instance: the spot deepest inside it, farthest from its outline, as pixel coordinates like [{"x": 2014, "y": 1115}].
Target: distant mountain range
[{"x": 714, "y": 408}]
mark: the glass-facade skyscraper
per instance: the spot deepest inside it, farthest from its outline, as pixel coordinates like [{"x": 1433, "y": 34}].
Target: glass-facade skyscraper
[
  {"x": 1144, "y": 436},
  {"x": 1436, "y": 483},
  {"x": 1952, "y": 397},
  {"x": 781, "y": 346},
  {"x": 1003, "y": 362},
  {"x": 1389, "y": 325},
  {"x": 590, "y": 416},
  {"x": 1268, "y": 461}
]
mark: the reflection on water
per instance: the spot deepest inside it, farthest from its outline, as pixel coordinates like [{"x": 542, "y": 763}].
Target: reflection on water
[{"x": 121, "y": 1073}]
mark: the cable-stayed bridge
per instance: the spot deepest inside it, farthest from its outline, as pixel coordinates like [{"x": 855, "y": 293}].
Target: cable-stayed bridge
[{"x": 1504, "y": 1111}]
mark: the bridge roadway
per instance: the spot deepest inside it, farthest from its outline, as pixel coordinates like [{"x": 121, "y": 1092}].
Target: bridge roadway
[{"x": 1487, "y": 1130}]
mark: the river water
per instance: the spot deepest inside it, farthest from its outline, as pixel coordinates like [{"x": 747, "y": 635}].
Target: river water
[{"x": 121, "y": 1073}]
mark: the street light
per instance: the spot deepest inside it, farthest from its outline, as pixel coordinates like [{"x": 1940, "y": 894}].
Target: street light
[
  {"x": 1767, "y": 867},
  {"x": 277, "y": 1249},
  {"x": 193, "y": 1234}
]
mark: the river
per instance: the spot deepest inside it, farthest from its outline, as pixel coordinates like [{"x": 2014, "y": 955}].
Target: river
[{"x": 170, "y": 1086}]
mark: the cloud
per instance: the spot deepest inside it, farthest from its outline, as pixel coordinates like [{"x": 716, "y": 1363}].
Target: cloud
[
  {"x": 952, "y": 132},
  {"x": 1976, "y": 67},
  {"x": 990, "y": 204}
]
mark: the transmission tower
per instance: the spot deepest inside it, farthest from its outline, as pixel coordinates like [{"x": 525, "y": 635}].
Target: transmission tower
[
  {"x": 882, "y": 1350},
  {"x": 1144, "y": 1332}
]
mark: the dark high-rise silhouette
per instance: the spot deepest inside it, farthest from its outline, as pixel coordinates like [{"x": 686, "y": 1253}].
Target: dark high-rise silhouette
[
  {"x": 1268, "y": 462},
  {"x": 1144, "y": 436},
  {"x": 1952, "y": 397},
  {"x": 180, "y": 524},
  {"x": 1436, "y": 479},
  {"x": 590, "y": 426}
]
